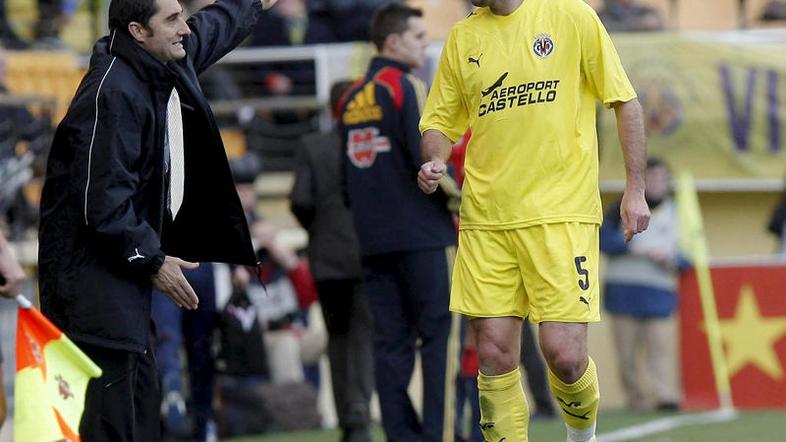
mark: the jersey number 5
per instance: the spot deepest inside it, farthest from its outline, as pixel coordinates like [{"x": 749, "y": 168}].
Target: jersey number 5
[{"x": 583, "y": 284}]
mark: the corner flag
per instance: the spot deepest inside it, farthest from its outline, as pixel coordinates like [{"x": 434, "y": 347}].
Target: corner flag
[{"x": 51, "y": 378}]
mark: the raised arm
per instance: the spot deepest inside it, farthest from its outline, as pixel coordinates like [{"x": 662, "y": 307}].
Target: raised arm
[
  {"x": 630, "y": 125},
  {"x": 220, "y": 27}
]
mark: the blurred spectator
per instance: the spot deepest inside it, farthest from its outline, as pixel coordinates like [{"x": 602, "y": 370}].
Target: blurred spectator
[
  {"x": 282, "y": 292},
  {"x": 778, "y": 224},
  {"x": 629, "y": 16},
  {"x": 53, "y": 15},
  {"x": 775, "y": 10},
  {"x": 193, "y": 330},
  {"x": 349, "y": 18},
  {"x": 333, "y": 253},
  {"x": 8, "y": 37},
  {"x": 290, "y": 24},
  {"x": 641, "y": 293},
  {"x": 11, "y": 277},
  {"x": 24, "y": 142}
]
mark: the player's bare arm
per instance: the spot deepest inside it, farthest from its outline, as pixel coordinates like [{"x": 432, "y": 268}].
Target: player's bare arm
[
  {"x": 630, "y": 125},
  {"x": 435, "y": 148}
]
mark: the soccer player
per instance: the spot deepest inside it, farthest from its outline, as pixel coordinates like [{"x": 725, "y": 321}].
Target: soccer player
[
  {"x": 406, "y": 238},
  {"x": 525, "y": 76}
]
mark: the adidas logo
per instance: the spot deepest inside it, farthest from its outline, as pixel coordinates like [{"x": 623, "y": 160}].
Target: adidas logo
[{"x": 363, "y": 107}]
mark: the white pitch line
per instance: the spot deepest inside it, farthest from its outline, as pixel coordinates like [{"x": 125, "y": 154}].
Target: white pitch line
[{"x": 666, "y": 424}]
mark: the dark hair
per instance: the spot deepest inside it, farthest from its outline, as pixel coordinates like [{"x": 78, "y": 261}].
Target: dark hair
[
  {"x": 390, "y": 19},
  {"x": 653, "y": 162},
  {"x": 123, "y": 12},
  {"x": 337, "y": 92}
]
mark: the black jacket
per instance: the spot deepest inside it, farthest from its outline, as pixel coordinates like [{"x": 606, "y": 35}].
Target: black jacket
[
  {"x": 379, "y": 118},
  {"x": 104, "y": 224},
  {"x": 316, "y": 201}
]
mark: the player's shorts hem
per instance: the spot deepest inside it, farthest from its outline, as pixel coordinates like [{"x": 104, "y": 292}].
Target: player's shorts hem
[
  {"x": 568, "y": 320},
  {"x": 523, "y": 224},
  {"x": 486, "y": 314}
]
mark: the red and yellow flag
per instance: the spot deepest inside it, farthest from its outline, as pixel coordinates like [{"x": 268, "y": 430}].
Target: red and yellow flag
[
  {"x": 752, "y": 326},
  {"x": 51, "y": 378}
]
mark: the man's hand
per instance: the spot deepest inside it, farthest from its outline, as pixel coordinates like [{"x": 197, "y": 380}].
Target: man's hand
[
  {"x": 170, "y": 280},
  {"x": 267, "y": 4},
  {"x": 11, "y": 274},
  {"x": 429, "y": 175},
  {"x": 635, "y": 213}
]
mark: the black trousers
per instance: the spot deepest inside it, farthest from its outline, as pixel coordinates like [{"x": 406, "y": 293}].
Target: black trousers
[
  {"x": 409, "y": 295},
  {"x": 123, "y": 405},
  {"x": 349, "y": 325}
]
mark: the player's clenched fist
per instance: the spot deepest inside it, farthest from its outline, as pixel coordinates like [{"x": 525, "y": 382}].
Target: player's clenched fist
[
  {"x": 635, "y": 214},
  {"x": 430, "y": 174}
]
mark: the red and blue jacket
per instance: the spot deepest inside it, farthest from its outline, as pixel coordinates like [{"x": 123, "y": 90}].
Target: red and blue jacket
[{"x": 378, "y": 123}]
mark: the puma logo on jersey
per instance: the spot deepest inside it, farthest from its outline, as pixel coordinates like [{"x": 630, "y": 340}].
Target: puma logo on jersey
[
  {"x": 584, "y": 300},
  {"x": 136, "y": 256},
  {"x": 474, "y": 60},
  {"x": 496, "y": 84}
]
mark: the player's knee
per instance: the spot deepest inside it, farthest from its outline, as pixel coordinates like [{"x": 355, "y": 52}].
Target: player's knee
[
  {"x": 496, "y": 358},
  {"x": 569, "y": 365}
]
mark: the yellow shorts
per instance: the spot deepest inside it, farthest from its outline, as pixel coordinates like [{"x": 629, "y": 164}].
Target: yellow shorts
[{"x": 547, "y": 271}]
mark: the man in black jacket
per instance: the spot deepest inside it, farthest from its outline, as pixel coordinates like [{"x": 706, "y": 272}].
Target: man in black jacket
[
  {"x": 334, "y": 256},
  {"x": 138, "y": 183}
]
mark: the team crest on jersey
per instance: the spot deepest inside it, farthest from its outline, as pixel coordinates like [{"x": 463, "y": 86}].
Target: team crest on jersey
[
  {"x": 543, "y": 46},
  {"x": 364, "y": 144}
]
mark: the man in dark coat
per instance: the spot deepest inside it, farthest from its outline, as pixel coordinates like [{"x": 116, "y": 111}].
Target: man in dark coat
[
  {"x": 334, "y": 257},
  {"x": 137, "y": 182}
]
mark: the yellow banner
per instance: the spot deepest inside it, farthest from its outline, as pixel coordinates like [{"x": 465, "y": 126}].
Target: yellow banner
[{"x": 716, "y": 109}]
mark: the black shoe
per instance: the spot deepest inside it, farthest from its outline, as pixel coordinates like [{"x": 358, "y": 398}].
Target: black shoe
[
  {"x": 667, "y": 406},
  {"x": 356, "y": 434}
]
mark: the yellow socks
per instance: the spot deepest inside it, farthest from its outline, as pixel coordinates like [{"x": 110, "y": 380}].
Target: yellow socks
[
  {"x": 579, "y": 403},
  {"x": 504, "y": 414}
]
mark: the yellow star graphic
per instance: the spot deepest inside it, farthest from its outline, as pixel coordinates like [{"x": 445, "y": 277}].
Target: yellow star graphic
[{"x": 750, "y": 337}]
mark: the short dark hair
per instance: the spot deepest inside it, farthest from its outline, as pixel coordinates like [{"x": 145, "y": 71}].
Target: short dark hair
[
  {"x": 653, "y": 162},
  {"x": 390, "y": 19},
  {"x": 123, "y": 12}
]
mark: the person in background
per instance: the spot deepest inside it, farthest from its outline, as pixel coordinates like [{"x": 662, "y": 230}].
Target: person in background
[
  {"x": 11, "y": 278},
  {"x": 641, "y": 294},
  {"x": 349, "y": 18},
  {"x": 629, "y": 16},
  {"x": 334, "y": 256},
  {"x": 407, "y": 239},
  {"x": 290, "y": 24},
  {"x": 191, "y": 330},
  {"x": 774, "y": 11},
  {"x": 777, "y": 225}
]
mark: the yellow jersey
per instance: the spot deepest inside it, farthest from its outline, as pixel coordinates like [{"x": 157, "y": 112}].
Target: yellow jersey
[{"x": 527, "y": 84}]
